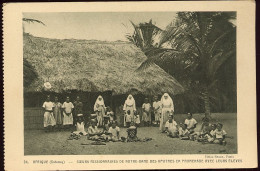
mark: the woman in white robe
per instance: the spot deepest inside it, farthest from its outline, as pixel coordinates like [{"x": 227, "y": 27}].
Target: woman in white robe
[
  {"x": 129, "y": 105},
  {"x": 167, "y": 109},
  {"x": 99, "y": 109}
]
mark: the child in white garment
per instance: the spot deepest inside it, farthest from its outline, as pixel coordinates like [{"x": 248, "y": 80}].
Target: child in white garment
[
  {"x": 219, "y": 135},
  {"x": 184, "y": 133},
  {"x": 114, "y": 131},
  {"x": 190, "y": 122},
  {"x": 80, "y": 125},
  {"x": 171, "y": 127}
]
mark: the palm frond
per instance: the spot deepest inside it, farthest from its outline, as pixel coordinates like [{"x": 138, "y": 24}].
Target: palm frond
[{"x": 30, "y": 20}]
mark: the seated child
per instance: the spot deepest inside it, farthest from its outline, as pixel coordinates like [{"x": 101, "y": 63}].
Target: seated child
[
  {"x": 80, "y": 129},
  {"x": 93, "y": 129},
  {"x": 212, "y": 130},
  {"x": 114, "y": 131},
  {"x": 171, "y": 127},
  {"x": 137, "y": 119},
  {"x": 205, "y": 120},
  {"x": 219, "y": 135},
  {"x": 204, "y": 135},
  {"x": 128, "y": 118},
  {"x": 132, "y": 133},
  {"x": 184, "y": 133},
  {"x": 191, "y": 123}
]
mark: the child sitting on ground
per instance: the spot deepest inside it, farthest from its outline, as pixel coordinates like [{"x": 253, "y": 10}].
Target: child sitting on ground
[
  {"x": 114, "y": 131},
  {"x": 128, "y": 118},
  {"x": 171, "y": 127},
  {"x": 191, "y": 123},
  {"x": 93, "y": 130},
  {"x": 132, "y": 133},
  {"x": 205, "y": 120},
  {"x": 80, "y": 125},
  {"x": 184, "y": 133},
  {"x": 213, "y": 127},
  {"x": 204, "y": 135},
  {"x": 219, "y": 135}
]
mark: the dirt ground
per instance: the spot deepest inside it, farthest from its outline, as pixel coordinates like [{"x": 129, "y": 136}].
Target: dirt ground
[{"x": 37, "y": 142}]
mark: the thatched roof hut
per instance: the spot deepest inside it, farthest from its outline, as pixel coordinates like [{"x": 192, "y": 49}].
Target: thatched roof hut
[{"x": 94, "y": 66}]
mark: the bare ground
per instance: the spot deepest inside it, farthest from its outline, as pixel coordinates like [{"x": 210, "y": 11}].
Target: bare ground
[{"x": 37, "y": 142}]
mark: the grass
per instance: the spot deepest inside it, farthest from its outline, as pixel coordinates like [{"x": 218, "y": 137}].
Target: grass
[{"x": 37, "y": 142}]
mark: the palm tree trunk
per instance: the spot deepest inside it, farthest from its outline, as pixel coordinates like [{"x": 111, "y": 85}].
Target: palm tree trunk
[{"x": 206, "y": 101}]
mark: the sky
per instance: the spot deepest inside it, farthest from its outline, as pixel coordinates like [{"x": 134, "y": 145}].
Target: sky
[{"x": 107, "y": 26}]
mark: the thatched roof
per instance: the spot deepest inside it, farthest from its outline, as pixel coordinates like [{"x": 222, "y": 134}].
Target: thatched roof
[{"x": 90, "y": 65}]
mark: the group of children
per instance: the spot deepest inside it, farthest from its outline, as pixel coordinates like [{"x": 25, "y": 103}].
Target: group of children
[
  {"x": 104, "y": 118},
  {"x": 109, "y": 132},
  {"x": 209, "y": 133},
  {"x": 146, "y": 117}
]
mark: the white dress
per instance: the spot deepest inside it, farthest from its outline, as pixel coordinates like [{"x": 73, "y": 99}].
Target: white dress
[
  {"x": 67, "y": 119},
  {"x": 167, "y": 107},
  {"x": 157, "y": 110},
  {"x": 48, "y": 119},
  {"x": 99, "y": 108},
  {"x": 129, "y": 105},
  {"x": 80, "y": 128}
]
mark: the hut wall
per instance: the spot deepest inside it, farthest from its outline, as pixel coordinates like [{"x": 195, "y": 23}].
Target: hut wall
[{"x": 33, "y": 118}]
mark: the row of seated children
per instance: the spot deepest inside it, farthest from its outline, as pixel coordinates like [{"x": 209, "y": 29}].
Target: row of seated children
[
  {"x": 175, "y": 130},
  {"x": 209, "y": 133},
  {"x": 110, "y": 132}
]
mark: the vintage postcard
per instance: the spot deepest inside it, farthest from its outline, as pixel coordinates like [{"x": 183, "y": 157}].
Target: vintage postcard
[{"x": 129, "y": 85}]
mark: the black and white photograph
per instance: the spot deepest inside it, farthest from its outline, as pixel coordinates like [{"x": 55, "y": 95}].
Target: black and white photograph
[{"x": 99, "y": 83}]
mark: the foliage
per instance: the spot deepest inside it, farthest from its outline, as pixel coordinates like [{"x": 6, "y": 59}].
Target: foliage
[{"x": 200, "y": 44}]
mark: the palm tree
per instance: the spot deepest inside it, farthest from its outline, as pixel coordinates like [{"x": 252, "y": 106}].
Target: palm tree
[
  {"x": 201, "y": 42},
  {"x": 210, "y": 38}
]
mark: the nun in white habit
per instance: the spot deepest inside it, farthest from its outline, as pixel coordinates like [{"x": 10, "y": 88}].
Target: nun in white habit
[
  {"x": 99, "y": 109},
  {"x": 167, "y": 109},
  {"x": 129, "y": 105}
]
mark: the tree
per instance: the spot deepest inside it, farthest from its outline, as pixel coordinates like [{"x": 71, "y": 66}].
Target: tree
[{"x": 201, "y": 42}]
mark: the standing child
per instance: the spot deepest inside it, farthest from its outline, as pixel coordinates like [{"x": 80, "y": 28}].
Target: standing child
[
  {"x": 157, "y": 110},
  {"x": 48, "y": 121},
  {"x": 67, "y": 113},
  {"x": 219, "y": 135},
  {"x": 114, "y": 130},
  {"x": 146, "y": 112},
  {"x": 128, "y": 118},
  {"x": 110, "y": 113},
  {"x": 171, "y": 127},
  {"x": 78, "y": 108},
  {"x": 137, "y": 119},
  {"x": 57, "y": 112},
  {"x": 190, "y": 122}
]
